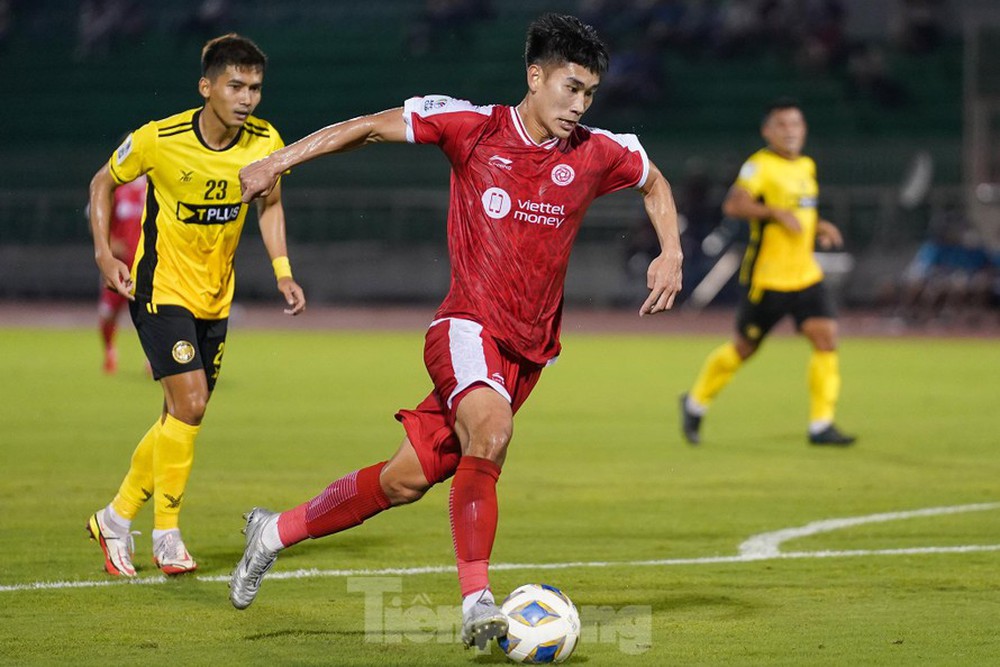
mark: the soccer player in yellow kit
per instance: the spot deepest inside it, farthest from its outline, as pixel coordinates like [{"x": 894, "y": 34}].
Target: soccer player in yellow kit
[
  {"x": 776, "y": 191},
  {"x": 181, "y": 283}
]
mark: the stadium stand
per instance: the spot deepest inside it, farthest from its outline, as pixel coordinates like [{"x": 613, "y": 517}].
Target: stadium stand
[{"x": 328, "y": 61}]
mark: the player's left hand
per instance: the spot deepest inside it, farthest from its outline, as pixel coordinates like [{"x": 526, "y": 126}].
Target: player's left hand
[
  {"x": 828, "y": 236},
  {"x": 664, "y": 282},
  {"x": 294, "y": 296}
]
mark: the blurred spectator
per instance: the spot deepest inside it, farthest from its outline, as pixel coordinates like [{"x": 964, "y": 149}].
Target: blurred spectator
[
  {"x": 133, "y": 22},
  {"x": 665, "y": 22},
  {"x": 698, "y": 200},
  {"x": 952, "y": 279},
  {"x": 103, "y": 22},
  {"x": 95, "y": 28},
  {"x": 211, "y": 18},
  {"x": 824, "y": 42},
  {"x": 442, "y": 19},
  {"x": 739, "y": 28},
  {"x": 641, "y": 247},
  {"x": 919, "y": 25},
  {"x": 869, "y": 77},
  {"x": 635, "y": 76},
  {"x": 598, "y": 13}
]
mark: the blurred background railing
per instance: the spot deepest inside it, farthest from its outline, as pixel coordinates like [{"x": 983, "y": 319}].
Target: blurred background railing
[{"x": 886, "y": 88}]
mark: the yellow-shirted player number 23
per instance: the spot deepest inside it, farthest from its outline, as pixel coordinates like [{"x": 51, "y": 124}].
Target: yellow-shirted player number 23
[{"x": 215, "y": 189}]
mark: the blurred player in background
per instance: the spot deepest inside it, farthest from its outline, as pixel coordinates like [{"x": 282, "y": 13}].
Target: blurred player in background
[
  {"x": 777, "y": 192},
  {"x": 125, "y": 227},
  {"x": 181, "y": 285},
  {"x": 522, "y": 179}
]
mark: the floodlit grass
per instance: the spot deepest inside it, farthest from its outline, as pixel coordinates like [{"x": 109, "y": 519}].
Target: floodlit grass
[{"x": 597, "y": 473}]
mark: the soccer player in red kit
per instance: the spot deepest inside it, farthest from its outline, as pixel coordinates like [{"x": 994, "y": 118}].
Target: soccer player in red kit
[
  {"x": 522, "y": 178},
  {"x": 126, "y": 225}
]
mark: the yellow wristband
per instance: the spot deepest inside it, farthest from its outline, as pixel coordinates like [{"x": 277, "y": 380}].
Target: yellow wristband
[{"x": 282, "y": 267}]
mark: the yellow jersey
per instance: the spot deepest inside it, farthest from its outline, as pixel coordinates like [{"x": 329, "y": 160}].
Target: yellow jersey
[
  {"x": 777, "y": 258},
  {"x": 194, "y": 214}
]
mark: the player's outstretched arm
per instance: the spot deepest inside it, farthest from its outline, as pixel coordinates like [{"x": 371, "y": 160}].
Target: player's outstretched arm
[
  {"x": 664, "y": 275},
  {"x": 115, "y": 272},
  {"x": 271, "y": 214},
  {"x": 741, "y": 204},
  {"x": 258, "y": 178}
]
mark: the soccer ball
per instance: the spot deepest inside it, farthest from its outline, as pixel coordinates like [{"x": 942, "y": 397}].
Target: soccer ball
[{"x": 543, "y": 625}]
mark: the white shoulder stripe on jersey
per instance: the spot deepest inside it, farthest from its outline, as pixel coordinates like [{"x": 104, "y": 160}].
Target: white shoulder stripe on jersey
[
  {"x": 430, "y": 105},
  {"x": 631, "y": 142}
]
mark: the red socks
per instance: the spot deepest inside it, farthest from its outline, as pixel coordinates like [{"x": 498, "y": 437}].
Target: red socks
[
  {"x": 355, "y": 497},
  {"x": 108, "y": 329},
  {"x": 473, "y": 511},
  {"x": 344, "y": 504}
]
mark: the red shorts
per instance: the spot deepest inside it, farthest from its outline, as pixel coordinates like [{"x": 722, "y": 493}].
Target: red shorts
[{"x": 460, "y": 355}]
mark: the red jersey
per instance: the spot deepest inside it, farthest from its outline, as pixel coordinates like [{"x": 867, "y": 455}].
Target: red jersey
[
  {"x": 126, "y": 219},
  {"x": 516, "y": 207}
]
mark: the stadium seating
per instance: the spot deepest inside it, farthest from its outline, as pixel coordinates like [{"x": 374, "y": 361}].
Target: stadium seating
[{"x": 330, "y": 61}]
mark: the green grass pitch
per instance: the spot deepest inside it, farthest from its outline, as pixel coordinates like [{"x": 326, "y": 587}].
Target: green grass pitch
[{"x": 597, "y": 475}]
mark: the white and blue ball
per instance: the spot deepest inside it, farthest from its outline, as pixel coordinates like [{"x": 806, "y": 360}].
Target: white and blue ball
[{"x": 544, "y": 626}]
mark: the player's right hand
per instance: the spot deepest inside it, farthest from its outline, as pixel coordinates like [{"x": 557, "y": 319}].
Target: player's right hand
[
  {"x": 117, "y": 277},
  {"x": 257, "y": 179},
  {"x": 294, "y": 296}
]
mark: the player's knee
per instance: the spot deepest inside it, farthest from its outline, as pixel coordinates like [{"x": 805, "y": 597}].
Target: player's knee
[
  {"x": 822, "y": 334},
  {"x": 402, "y": 491},
  {"x": 490, "y": 441},
  {"x": 746, "y": 348},
  {"x": 190, "y": 409}
]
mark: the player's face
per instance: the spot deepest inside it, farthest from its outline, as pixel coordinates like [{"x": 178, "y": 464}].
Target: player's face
[
  {"x": 233, "y": 94},
  {"x": 785, "y": 132},
  {"x": 563, "y": 94}
]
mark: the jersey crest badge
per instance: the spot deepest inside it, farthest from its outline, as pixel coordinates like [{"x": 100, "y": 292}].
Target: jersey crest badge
[
  {"x": 183, "y": 352},
  {"x": 563, "y": 174}
]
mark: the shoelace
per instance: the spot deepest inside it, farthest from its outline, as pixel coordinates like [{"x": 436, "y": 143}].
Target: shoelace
[
  {"x": 128, "y": 539},
  {"x": 130, "y": 542},
  {"x": 169, "y": 548}
]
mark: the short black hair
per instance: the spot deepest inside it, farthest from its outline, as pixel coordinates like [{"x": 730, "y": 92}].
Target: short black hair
[
  {"x": 231, "y": 49},
  {"x": 779, "y": 104},
  {"x": 560, "y": 38}
]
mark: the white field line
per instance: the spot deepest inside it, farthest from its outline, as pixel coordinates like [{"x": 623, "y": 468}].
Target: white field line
[
  {"x": 767, "y": 545},
  {"x": 764, "y": 546}
]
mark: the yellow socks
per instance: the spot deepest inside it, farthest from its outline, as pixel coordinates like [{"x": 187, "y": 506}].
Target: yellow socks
[
  {"x": 137, "y": 487},
  {"x": 172, "y": 461},
  {"x": 824, "y": 387},
  {"x": 718, "y": 370}
]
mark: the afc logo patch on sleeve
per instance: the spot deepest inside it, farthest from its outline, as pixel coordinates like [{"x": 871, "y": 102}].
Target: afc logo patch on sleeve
[
  {"x": 435, "y": 102},
  {"x": 748, "y": 170},
  {"x": 124, "y": 150}
]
